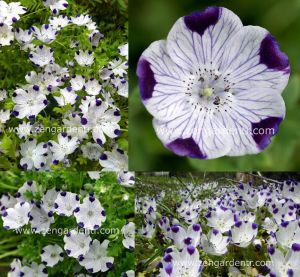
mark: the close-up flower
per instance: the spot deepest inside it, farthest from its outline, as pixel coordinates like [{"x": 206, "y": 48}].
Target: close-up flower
[
  {"x": 212, "y": 84},
  {"x": 16, "y": 216},
  {"x": 128, "y": 231},
  {"x": 77, "y": 244},
  {"x": 97, "y": 259},
  {"x": 90, "y": 214},
  {"x": 66, "y": 203},
  {"x": 52, "y": 254}
]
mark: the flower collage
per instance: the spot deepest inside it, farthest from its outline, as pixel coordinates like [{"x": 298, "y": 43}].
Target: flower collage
[{"x": 149, "y": 138}]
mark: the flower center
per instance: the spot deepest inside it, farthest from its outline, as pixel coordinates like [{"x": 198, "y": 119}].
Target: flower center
[{"x": 209, "y": 89}]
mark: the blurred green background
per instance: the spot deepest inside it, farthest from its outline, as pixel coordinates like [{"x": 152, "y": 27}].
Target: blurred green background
[{"x": 151, "y": 20}]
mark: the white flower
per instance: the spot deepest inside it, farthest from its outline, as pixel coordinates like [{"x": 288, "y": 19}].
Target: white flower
[
  {"x": 16, "y": 269},
  {"x": 24, "y": 37},
  {"x": 91, "y": 151},
  {"x": 122, "y": 86},
  {"x": 214, "y": 86},
  {"x": 35, "y": 270},
  {"x": 102, "y": 121},
  {"x": 92, "y": 86},
  {"x": 243, "y": 233},
  {"x": 126, "y": 178},
  {"x": 284, "y": 265},
  {"x": 129, "y": 273},
  {"x": 11, "y": 12},
  {"x": 270, "y": 225},
  {"x": 95, "y": 37},
  {"x": 42, "y": 56},
  {"x": 59, "y": 22},
  {"x": 118, "y": 67},
  {"x": 51, "y": 255},
  {"x": 33, "y": 154},
  {"x": 221, "y": 219},
  {"x": 46, "y": 81},
  {"x": 68, "y": 96},
  {"x": 6, "y": 34},
  {"x": 123, "y": 50},
  {"x": 74, "y": 127},
  {"x": 90, "y": 214},
  {"x": 105, "y": 74},
  {"x": 48, "y": 200},
  {"x": 184, "y": 237},
  {"x": 63, "y": 148},
  {"x": 40, "y": 220},
  {"x": 29, "y": 186},
  {"x": 288, "y": 233},
  {"x": 77, "y": 244},
  {"x": 94, "y": 175},
  {"x": 86, "y": 102},
  {"x": 128, "y": 231},
  {"x": 116, "y": 160},
  {"x": 3, "y": 94},
  {"x": 4, "y": 116},
  {"x": 56, "y": 5},
  {"x": 77, "y": 82},
  {"x": 96, "y": 259},
  {"x": 215, "y": 243},
  {"x": 66, "y": 203},
  {"x": 84, "y": 58},
  {"x": 81, "y": 20},
  {"x": 184, "y": 263},
  {"x": 16, "y": 217},
  {"x": 24, "y": 130},
  {"x": 7, "y": 201},
  {"x": 45, "y": 34},
  {"x": 29, "y": 102}
]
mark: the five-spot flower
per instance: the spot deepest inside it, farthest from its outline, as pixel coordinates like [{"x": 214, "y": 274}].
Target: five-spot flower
[{"x": 214, "y": 86}]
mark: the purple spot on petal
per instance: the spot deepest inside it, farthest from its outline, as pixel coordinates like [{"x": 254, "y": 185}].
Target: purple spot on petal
[
  {"x": 271, "y": 56},
  {"x": 296, "y": 247},
  {"x": 103, "y": 157},
  {"x": 146, "y": 79},
  {"x": 169, "y": 268},
  {"x": 200, "y": 21},
  {"x": 191, "y": 249},
  {"x": 265, "y": 129},
  {"x": 186, "y": 147}
]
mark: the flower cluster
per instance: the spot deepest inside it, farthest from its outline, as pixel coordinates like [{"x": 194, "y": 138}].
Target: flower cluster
[
  {"x": 214, "y": 86},
  {"x": 222, "y": 220},
  {"x": 36, "y": 211},
  {"x": 68, "y": 109}
]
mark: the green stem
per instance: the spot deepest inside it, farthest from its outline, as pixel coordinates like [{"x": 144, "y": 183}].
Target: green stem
[
  {"x": 7, "y": 186},
  {"x": 151, "y": 259},
  {"x": 33, "y": 13},
  {"x": 60, "y": 44},
  {"x": 16, "y": 238},
  {"x": 11, "y": 253}
]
